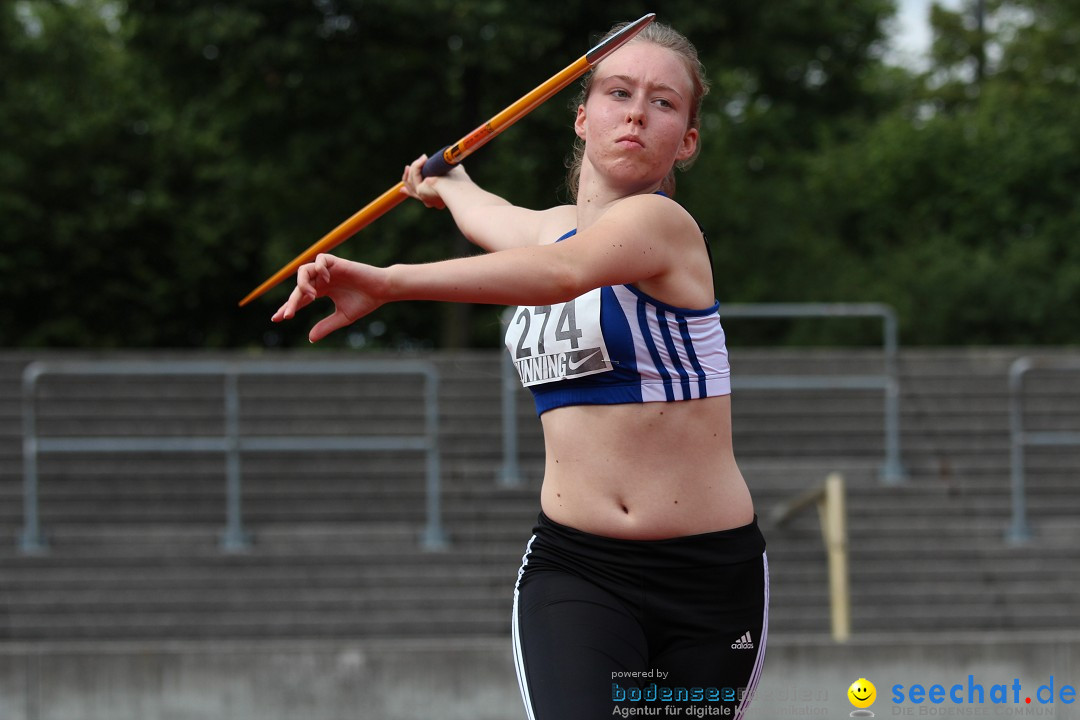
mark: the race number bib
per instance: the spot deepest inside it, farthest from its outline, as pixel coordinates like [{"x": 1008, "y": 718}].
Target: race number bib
[{"x": 549, "y": 343}]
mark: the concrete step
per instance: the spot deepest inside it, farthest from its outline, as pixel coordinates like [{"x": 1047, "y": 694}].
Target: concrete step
[
  {"x": 442, "y": 622},
  {"x": 241, "y": 624},
  {"x": 482, "y": 590}
]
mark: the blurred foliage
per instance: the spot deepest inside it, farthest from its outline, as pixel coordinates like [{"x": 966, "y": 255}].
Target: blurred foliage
[{"x": 160, "y": 158}]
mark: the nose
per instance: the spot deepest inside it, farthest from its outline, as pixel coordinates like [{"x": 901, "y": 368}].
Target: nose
[{"x": 635, "y": 114}]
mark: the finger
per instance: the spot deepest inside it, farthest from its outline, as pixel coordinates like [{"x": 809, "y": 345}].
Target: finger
[
  {"x": 303, "y": 284},
  {"x": 322, "y": 270},
  {"x": 297, "y": 299},
  {"x": 304, "y": 292},
  {"x": 307, "y": 281},
  {"x": 416, "y": 166},
  {"x": 327, "y": 325},
  {"x": 285, "y": 312},
  {"x": 426, "y": 193},
  {"x": 412, "y": 177},
  {"x": 408, "y": 177}
]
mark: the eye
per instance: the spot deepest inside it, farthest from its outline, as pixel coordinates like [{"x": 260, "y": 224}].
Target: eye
[
  {"x": 664, "y": 103},
  {"x": 620, "y": 93}
]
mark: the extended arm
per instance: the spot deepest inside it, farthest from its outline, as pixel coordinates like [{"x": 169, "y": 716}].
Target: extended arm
[{"x": 641, "y": 239}]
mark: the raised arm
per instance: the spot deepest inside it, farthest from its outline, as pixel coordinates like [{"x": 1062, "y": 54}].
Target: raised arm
[
  {"x": 643, "y": 240},
  {"x": 486, "y": 219}
]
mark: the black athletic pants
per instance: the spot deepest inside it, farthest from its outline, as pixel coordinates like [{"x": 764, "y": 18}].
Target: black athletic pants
[{"x": 661, "y": 626}]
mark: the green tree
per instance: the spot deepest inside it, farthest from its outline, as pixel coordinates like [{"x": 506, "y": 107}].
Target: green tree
[
  {"x": 158, "y": 159},
  {"x": 959, "y": 208},
  {"x": 73, "y": 171}
]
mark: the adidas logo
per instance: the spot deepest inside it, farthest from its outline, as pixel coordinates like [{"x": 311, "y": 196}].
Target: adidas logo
[{"x": 743, "y": 643}]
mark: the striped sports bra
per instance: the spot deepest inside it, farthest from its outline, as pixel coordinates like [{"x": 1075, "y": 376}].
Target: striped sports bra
[{"x": 616, "y": 345}]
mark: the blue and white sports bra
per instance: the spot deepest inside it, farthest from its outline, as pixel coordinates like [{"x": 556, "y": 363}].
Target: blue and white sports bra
[{"x": 617, "y": 345}]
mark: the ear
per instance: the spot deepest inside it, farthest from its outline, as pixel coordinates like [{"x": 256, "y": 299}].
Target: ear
[
  {"x": 579, "y": 122},
  {"x": 689, "y": 145}
]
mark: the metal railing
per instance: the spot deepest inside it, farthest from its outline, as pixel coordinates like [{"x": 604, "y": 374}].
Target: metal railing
[
  {"x": 892, "y": 470},
  {"x": 1019, "y": 530},
  {"x": 830, "y": 499},
  {"x": 509, "y": 473},
  {"x": 230, "y": 442}
]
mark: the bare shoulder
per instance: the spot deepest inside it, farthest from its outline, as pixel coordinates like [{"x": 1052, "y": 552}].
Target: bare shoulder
[
  {"x": 654, "y": 215},
  {"x": 658, "y": 226}
]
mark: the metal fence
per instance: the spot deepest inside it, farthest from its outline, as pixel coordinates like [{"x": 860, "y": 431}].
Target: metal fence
[
  {"x": 1019, "y": 530},
  {"x": 892, "y": 470},
  {"x": 231, "y": 442}
]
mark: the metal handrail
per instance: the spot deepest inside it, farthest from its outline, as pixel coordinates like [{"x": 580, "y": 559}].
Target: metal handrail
[
  {"x": 830, "y": 499},
  {"x": 1019, "y": 531},
  {"x": 509, "y": 473},
  {"x": 892, "y": 470},
  {"x": 230, "y": 442}
]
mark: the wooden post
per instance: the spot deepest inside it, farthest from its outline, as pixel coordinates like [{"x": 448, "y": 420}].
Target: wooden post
[{"x": 833, "y": 514}]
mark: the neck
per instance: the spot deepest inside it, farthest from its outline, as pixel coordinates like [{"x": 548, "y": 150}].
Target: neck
[{"x": 594, "y": 196}]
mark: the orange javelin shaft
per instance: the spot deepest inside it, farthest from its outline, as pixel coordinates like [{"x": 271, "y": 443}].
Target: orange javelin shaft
[
  {"x": 361, "y": 219},
  {"x": 454, "y": 154}
]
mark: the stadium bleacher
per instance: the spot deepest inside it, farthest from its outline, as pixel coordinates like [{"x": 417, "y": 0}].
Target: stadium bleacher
[{"x": 134, "y": 540}]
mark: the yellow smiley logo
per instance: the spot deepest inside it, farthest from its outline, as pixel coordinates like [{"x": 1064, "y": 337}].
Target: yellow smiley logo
[{"x": 862, "y": 693}]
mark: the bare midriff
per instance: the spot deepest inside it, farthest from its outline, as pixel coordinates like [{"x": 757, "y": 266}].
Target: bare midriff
[{"x": 644, "y": 471}]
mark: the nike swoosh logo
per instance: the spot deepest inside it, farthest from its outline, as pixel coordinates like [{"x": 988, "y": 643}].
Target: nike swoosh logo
[{"x": 571, "y": 365}]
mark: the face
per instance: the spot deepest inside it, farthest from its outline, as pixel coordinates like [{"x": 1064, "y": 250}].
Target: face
[
  {"x": 634, "y": 121},
  {"x": 862, "y": 693}
]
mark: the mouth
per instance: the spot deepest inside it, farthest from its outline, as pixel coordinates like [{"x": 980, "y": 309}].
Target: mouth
[{"x": 630, "y": 141}]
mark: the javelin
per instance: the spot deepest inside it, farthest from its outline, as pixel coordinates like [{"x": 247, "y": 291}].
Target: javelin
[{"x": 451, "y": 155}]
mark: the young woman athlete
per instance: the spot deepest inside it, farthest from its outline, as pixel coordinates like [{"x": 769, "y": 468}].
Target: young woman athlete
[{"x": 645, "y": 583}]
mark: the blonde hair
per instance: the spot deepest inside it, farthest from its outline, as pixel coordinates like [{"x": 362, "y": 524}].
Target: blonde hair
[{"x": 666, "y": 37}]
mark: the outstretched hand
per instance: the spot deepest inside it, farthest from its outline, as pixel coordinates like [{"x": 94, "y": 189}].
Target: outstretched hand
[{"x": 355, "y": 290}]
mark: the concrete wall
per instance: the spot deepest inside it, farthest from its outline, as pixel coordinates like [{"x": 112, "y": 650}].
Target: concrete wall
[{"x": 474, "y": 679}]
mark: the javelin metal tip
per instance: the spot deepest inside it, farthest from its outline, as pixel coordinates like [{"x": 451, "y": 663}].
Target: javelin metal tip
[{"x": 613, "y": 43}]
